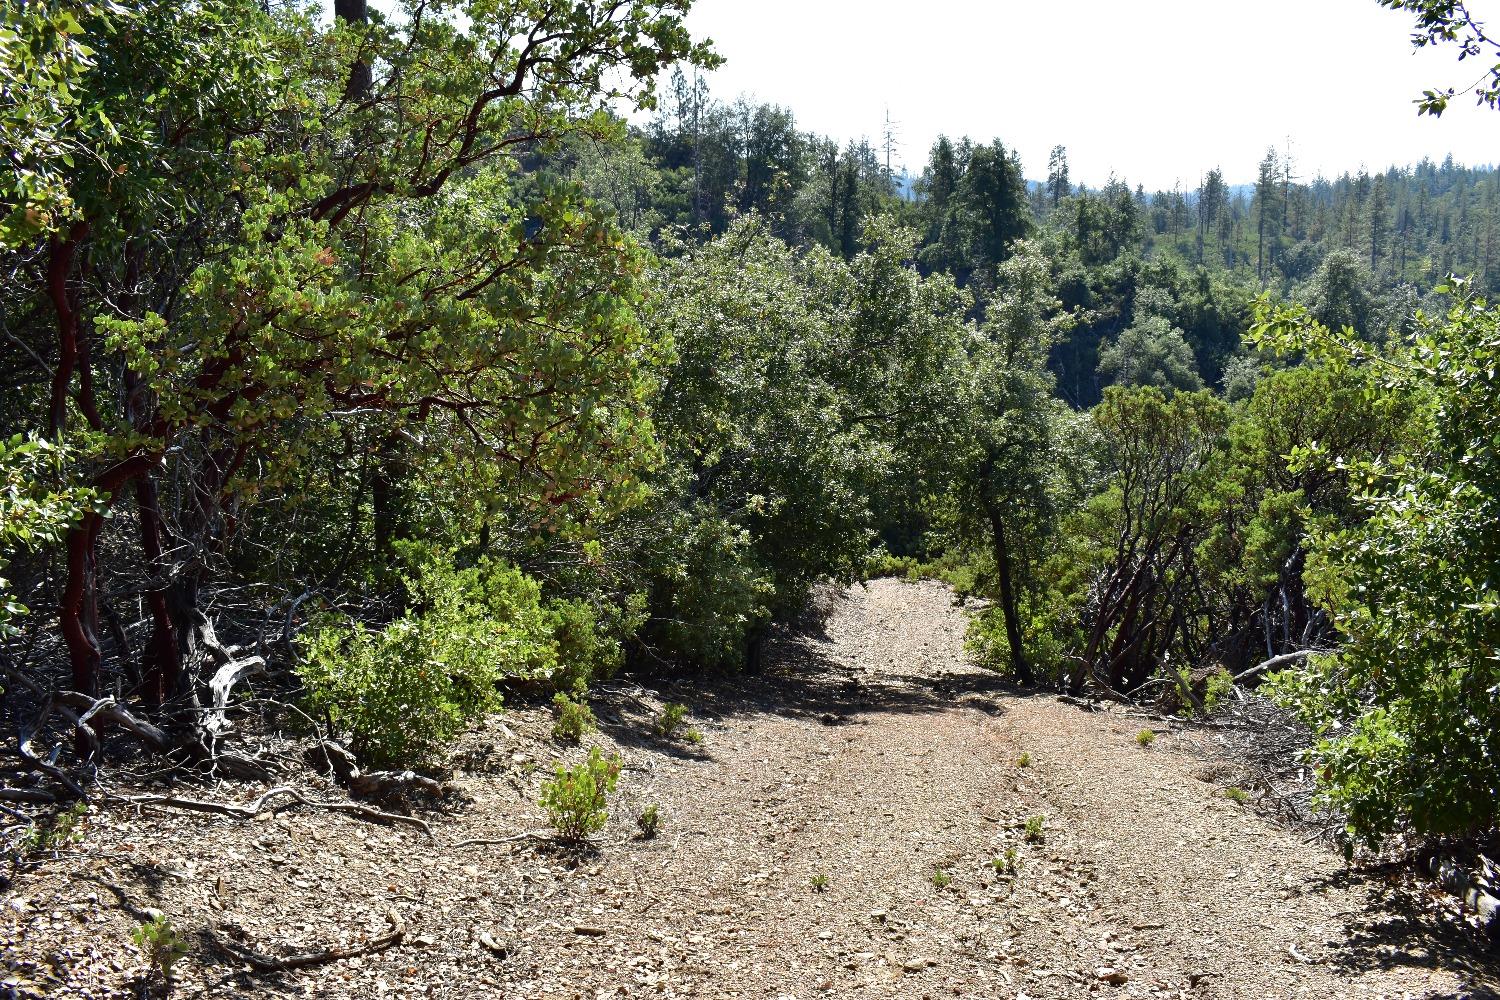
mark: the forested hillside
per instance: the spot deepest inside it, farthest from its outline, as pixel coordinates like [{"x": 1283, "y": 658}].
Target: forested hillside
[{"x": 369, "y": 370}]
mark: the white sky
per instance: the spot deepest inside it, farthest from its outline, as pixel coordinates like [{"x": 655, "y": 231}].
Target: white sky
[{"x": 1155, "y": 90}]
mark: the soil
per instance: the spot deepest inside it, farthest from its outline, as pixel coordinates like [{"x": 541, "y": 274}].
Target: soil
[{"x": 835, "y": 834}]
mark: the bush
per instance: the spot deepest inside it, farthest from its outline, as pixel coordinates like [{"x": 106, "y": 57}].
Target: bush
[
  {"x": 573, "y": 719},
  {"x": 1145, "y": 737},
  {"x": 588, "y": 649},
  {"x": 576, "y": 800},
  {"x": 1406, "y": 712},
  {"x": 406, "y": 690},
  {"x": 1036, "y": 829},
  {"x": 1219, "y": 686},
  {"x": 670, "y": 720}
]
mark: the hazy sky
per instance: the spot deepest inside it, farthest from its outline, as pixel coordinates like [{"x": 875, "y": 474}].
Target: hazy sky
[{"x": 1155, "y": 90}]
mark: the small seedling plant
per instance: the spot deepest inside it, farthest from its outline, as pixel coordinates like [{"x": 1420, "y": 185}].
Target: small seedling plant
[
  {"x": 576, "y": 800},
  {"x": 1007, "y": 864},
  {"x": 161, "y": 945},
  {"x": 941, "y": 879},
  {"x": 1036, "y": 829},
  {"x": 1145, "y": 737},
  {"x": 1024, "y": 760},
  {"x": 648, "y": 821},
  {"x": 820, "y": 882},
  {"x": 61, "y": 831}
]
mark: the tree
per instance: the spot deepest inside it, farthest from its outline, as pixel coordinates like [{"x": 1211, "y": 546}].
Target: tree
[
  {"x": 270, "y": 262},
  {"x": 1213, "y": 198},
  {"x": 1406, "y": 708},
  {"x": 993, "y": 195},
  {"x": 1008, "y": 485},
  {"x": 1058, "y": 187},
  {"x": 1267, "y": 198},
  {"x": 1339, "y": 295}
]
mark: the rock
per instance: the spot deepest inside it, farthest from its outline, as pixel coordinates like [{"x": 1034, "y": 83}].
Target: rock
[
  {"x": 1113, "y": 976},
  {"x": 878, "y": 916},
  {"x": 490, "y": 943},
  {"x": 588, "y": 930}
]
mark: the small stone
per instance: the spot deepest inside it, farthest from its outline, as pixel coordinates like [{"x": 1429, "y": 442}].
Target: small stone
[
  {"x": 1111, "y": 975},
  {"x": 588, "y": 930}
]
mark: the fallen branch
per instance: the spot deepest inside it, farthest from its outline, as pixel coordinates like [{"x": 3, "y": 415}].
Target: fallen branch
[
  {"x": 267, "y": 963},
  {"x": 253, "y": 809},
  {"x": 1273, "y": 663}
]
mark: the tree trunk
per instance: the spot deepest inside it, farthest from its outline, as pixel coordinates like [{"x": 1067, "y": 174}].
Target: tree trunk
[
  {"x": 1005, "y": 569},
  {"x": 161, "y": 671}
]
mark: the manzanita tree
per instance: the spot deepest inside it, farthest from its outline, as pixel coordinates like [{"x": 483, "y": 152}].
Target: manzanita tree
[{"x": 255, "y": 255}]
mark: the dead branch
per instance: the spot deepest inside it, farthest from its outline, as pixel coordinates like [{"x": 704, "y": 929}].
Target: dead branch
[
  {"x": 37, "y": 795},
  {"x": 253, "y": 809},
  {"x": 267, "y": 963},
  {"x": 1273, "y": 663}
]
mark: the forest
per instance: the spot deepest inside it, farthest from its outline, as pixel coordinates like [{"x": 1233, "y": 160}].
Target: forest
[{"x": 391, "y": 366}]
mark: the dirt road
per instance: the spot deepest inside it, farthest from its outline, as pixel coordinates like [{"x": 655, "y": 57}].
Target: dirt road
[{"x": 835, "y": 835}]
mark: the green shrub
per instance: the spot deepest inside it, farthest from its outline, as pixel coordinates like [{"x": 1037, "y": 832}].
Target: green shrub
[
  {"x": 648, "y": 821},
  {"x": 588, "y": 649},
  {"x": 576, "y": 801},
  {"x": 1024, "y": 760},
  {"x": 160, "y": 943},
  {"x": 940, "y": 879},
  {"x": 573, "y": 719},
  {"x": 1219, "y": 686},
  {"x": 1145, "y": 737},
  {"x": 988, "y": 646},
  {"x": 406, "y": 690},
  {"x": 670, "y": 720},
  {"x": 1036, "y": 829},
  {"x": 820, "y": 882},
  {"x": 1237, "y": 795},
  {"x": 1008, "y": 863}
]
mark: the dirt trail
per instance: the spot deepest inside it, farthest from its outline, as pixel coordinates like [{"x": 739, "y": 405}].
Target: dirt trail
[{"x": 832, "y": 837}]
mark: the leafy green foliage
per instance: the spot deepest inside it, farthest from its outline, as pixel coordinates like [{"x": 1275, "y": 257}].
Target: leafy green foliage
[
  {"x": 1145, "y": 738},
  {"x": 571, "y": 719},
  {"x": 673, "y": 715},
  {"x": 576, "y": 800},
  {"x": 1449, "y": 22},
  {"x": 648, "y": 821},
  {"x": 405, "y": 690},
  {"x": 1406, "y": 708},
  {"x": 160, "y": 943},
  {"x": 35, "y": 506},
  {"x": 1035, "y": 829},
  {"x": 1007, "y": 865},
  {"x": 61, "y": 830},
  {"x": 940, "y": 879}
]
